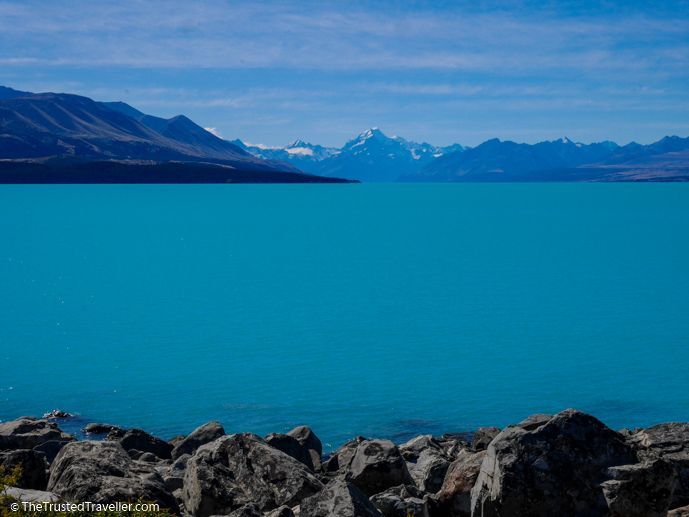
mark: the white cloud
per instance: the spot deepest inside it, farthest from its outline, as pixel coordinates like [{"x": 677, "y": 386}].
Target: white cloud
[{"x": 213, "y": 131}]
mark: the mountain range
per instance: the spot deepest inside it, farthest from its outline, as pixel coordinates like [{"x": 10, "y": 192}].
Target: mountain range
[
  {"x": 52, "y": 133},
  {"x": 64, "y": 129}
]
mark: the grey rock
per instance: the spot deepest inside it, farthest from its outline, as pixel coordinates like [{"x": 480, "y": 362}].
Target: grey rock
[
  {"x": 32, "y": 496},
  {"x": 141, "y": 441},
  {"x": 50, "y": 448},
  {"x": 641, "y": 490},
  {"x": 27, "y": 432},
  {"x": 342, "y": 456},
  {"x": 94, "y": 428},
  {"x": 671, "y": 442},
  {"x": 291, "y": 447},
  {"x": 102, "y": 472},
  {"x": 549, "y": 469},
  {"x": 248, "y": 510},
  {"x": 135, "y": 454},
  {"x": 535, "y": 421},
  {"x": 483, "y": 437},
  {"x": 305, "y": 436},
  {"x": 679, "y": 512},
  {"x": 376, "y": 465},
  {"x": 625, "y": 432},
  {"x": 201, "y": 436},
  {"x": 56, "y": 413},
  {"x": 454, "y": 496},
  {"x": 283, "y": 511},
  {"x": 148, "y": 457},
  {"x": 173, "y": 475},
  {"x": 340, "y": 499},
  {"x": 33, "y": 467},
  {"x": 239, "y": 469},
  {"x": 176, "y": 440},
  {"x": 401, "y": 501},
  {"x": 427, "y": 462}
]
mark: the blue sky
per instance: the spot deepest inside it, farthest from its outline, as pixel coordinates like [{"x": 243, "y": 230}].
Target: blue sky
[{"x": 441, "y": 72}]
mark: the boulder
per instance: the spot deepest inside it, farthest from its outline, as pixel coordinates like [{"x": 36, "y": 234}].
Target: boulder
[
  {"x": 239, "y": 469},
  {"x": 679, "y": 512},
  {"x": 102, "y": 472},
  {"x": 374, "y": 466},
  {"x": 50, "y": 449},
  {"x": 32, "y": 496},
  {"x": 342, "y": 456},
  {"x": 141, "y": 441},
  {"x": 305, "y": 436},
  {"x": 641, "y": 490},
  {"x": 551, "y": 468},
  {"x": 671, "y": 442},
  {"x": 201, "y": 436},
  {"x": 454, "y": 496},
  {"x": 291, "y": 447},
  {"x": 483, "y": 437},
  {"x": 340, "y": 499},
  {"x": 401, "y": 501},
  {"x": 173, "y": 475},
  {"x": 33, "y": 467},
  {"x": 283, "y": 511},
  {"x": 94, "y": 428},
  {"x": 56, "y": 413},
  {"x": 427, "y": 462},
  {"x": 27, "y": 432},
  {"x": 176, "y": 440},
  {"x": 248, "y": 510}
]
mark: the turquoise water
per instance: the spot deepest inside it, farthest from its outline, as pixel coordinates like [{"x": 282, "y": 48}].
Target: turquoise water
[{"x": 380, "y": 310}]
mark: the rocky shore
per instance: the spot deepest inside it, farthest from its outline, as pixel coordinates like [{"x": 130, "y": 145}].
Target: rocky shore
[{"x": 569, "y": 464}]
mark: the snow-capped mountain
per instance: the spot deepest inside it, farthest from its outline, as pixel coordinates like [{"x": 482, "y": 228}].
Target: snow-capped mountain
[{"x": 372, "y": 156}]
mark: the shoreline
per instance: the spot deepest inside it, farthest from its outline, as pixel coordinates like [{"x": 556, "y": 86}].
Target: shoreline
[{"x": 569, "y": 464}]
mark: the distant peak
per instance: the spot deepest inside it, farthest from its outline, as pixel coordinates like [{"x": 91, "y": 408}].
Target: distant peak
[
  {"x": 297, "y": 143},
  {"x": 565, "y": 140}
]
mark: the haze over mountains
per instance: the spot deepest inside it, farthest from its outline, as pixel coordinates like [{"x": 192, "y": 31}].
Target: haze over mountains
[{"x": 63, "y": 128}]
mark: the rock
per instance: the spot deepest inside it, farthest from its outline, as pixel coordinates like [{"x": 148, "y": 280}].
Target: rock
[
  {"x": 401, "y": 501},
  {"x": 176, "y": 440},
  {"x": 427, "y": 462},
  {"x": 94, "y": 428},
  {"x": 239, "y": 469},
  {"x": 32, "y": 496},
  {"x": 283, "y": 511},
  {"x": 679, "y": 512},
  {"x": 27, "y": 432},
  {"x": 641, "y": 490},
  {"x": 549, "y": 469},
  {"x": 201, "y": 436},
  {"x": 173, "y": 475},
  {"x": 535, "y": 421},
  {"x": 148, "y": 457},
  {"x": 625, "y": 432},
  {"x": 51, "y": 449},
  {"x": 33, "y": 467},
  {"x": 101, "y": 472},
  {"x": 483, "y": 437},
  {"x": 291, "y": 447},
  {"x": 342, "y": 456},
  {"x": 305, "y": 436},
  {"x": 454, "y": 496},
  {"x": 340, "y": 499},
  {"x": 135, "y": 454},
  {"x": 671, "y": 442},
  {"x": 248, "y": 510},
  {"x": 141, "y": 441},
  {"x": 56, "y": 413},
  {"x": 376, "y": 465}
]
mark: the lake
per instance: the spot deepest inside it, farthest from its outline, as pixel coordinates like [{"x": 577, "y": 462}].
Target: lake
[{"x": 381, "y": 310}]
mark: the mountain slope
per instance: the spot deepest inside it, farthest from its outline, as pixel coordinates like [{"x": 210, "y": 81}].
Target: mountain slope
[
  {"x": 504, "y": 161},
  {"x": 49, "y": 124}
]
